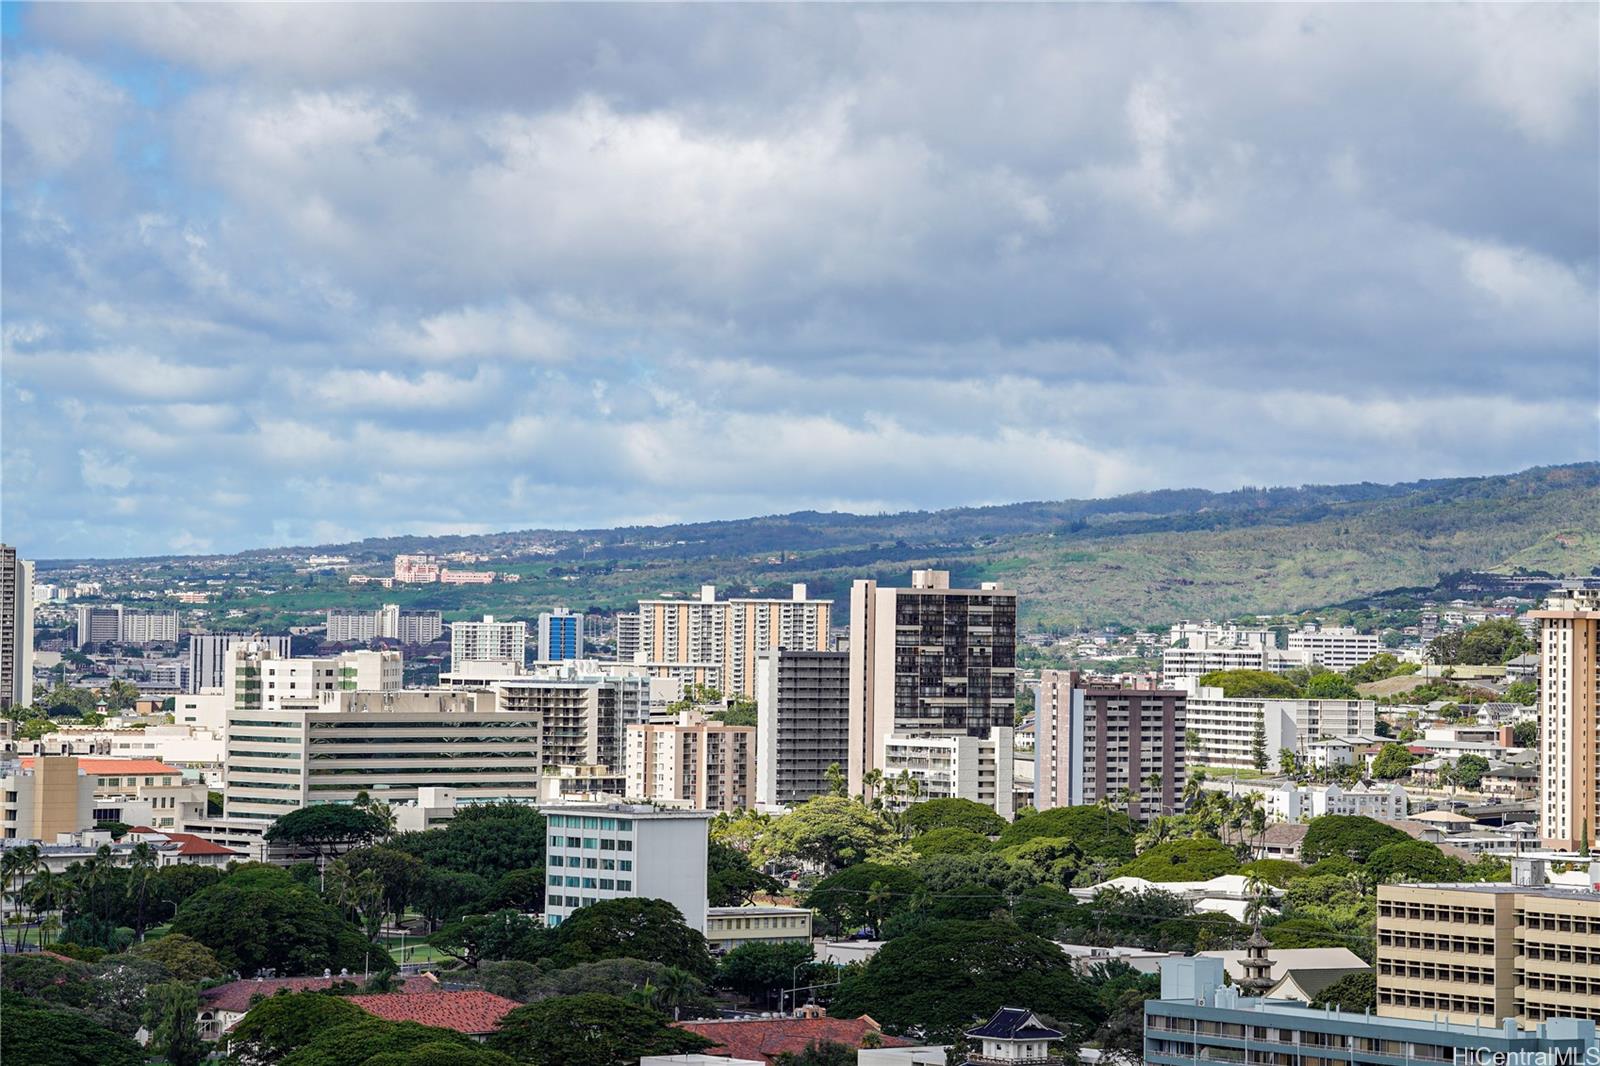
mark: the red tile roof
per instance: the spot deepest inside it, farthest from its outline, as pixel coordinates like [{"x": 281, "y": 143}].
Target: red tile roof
[
  {"x": 235, "y": 996},
  {"x": 764, "y": 1038},
  {"x": 118, "y": 767},
  {"x": 189, "y": 844},
  {"x": 474, "y": 1013}
]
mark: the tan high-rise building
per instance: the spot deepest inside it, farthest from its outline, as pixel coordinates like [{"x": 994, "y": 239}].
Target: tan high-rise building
[
  {"x": 693, "y": 761},
  {"x": 1569, "y": 718},
  {"x": 930, "y": 661},
  {"x": 1478, "y": 954},
  {"x": 730, "y": 634}
]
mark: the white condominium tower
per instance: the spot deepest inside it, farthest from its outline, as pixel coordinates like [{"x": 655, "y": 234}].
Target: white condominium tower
[
  {"x": 488, "y": 641},
  {"x": 731, "y": 634}
]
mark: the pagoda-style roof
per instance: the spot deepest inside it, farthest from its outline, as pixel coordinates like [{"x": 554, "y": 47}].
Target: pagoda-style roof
[{"x": 1014, "y": 1023}]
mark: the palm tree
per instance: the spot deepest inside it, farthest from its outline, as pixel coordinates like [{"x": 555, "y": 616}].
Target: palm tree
[
  {"x": 878, "y": 894},
  {"x": 871, "y": 781},
  {"x": 44, "y": 894},
  {"x": 339, "y": 884},
  {"x": 26, "y": 863},
  {"x": 910, "y": 787},
  {"x": 142, "y": 864},
  {"x": 1253, "y": 910},
  {"x": 673, "y": 989}
]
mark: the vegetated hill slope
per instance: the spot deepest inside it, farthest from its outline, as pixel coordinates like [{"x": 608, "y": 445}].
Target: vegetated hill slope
[{"x": 1146, "y": 558}]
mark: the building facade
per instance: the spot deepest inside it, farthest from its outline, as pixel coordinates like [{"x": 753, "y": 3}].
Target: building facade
[
  {"x": 1483, "y": 953},
  {"x": 1226, "y": 731},
  {"x": 1199, "y": 1019},
  {"x": 625, "y": 851},
  {"x": 115, "y": 624},
  {"x": 260, "y": 679},
  {"x": 346, "y": 626},
  {"x": 930, "y": 660},
  {"x": 802, "y": 723},
  {"x": 208, "y": 656},
  {"x": 954, "y": 766},
  {"x": 1338, "y": 648},
  {"x": 50, "y": 796},
  {"x": 16, "y": 629},
  {"x": 730, "y": 634},
  {"x": 488, "y": 641},
  {"x": 560, "y": 636},
  {"x": 1102, "y": 742},
  {"x": 1569, "y": 718},
  {"x": 731, "y": 927},
  {"x": 693, "y": 762}
]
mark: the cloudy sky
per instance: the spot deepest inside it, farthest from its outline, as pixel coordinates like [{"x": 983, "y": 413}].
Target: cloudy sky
[{"x": 305, "y": 273}]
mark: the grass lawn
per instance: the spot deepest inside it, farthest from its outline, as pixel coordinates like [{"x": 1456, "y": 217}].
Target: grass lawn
[{"x": 416, "y": 950}]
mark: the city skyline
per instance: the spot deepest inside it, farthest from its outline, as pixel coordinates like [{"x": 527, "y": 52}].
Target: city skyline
[{"x": 307, "y": 275}]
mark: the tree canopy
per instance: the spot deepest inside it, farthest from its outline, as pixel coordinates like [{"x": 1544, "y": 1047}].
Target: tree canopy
[
  {"x": 648, "y": 929},
  {"x": 1354, "y": 992},
  {"x": 731, "y": 879},
  {"x": 862, "y": 895},
  {"x": 1392, "y": 761},
  {"x": 829, "y": 831},
  {"x": 590, "y": 1030},
  {"x": 488, "y": 840},
  {"x": 259, "y": 918},
  {"x": 1330, "y": 686},
  {"x": 1098, "y": 832},
  {"x": 1352, "y": 836},
  {"x": 1192, "y": 859},
  {"x": 953, "y": 813},
  {"x": 1414, "y": 860},
  {"x": 949, "y": 840},
  {"x": 1250, "y": 684},
  {"x": 952, "y": 972},
  {"x": 326, "y": 827}
]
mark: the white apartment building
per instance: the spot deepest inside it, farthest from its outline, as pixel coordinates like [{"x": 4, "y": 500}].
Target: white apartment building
[
  {"x": 693, "y": 762},
  {"x": 1291, "y": 803},
  {"x": 1225, "y": 729},
  {"x": 1226, "y": 635},
  {"x": 488, "y": 641},
  {"x": 16, "y": 629},
  {"x": 954, "y": 765},
  {"x": 259, "y": 678},
  {"x": 1198, "y": 659},
  {"x": 607, "y": 851},
  {"x": 346, "y": 626},
  {"x": 202, "y": 710},
  {"x": 113, "y": 623},
  {"x": 1336, "y": 647},
  {"x": 728, "y": 634}
]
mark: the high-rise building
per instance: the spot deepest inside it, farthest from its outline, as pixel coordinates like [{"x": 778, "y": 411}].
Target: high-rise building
[
  {"x": 1569, "y": 718},
  {"x": 586, "y": 710},
  {"x": 488, "y": 641},
  {"x": 731, "y": 634},
  {"x": 802, "y": 723},
  {"x": 694, "y": 761},
  {"x": 1099, "y": 742},
  {"x": 1480, "y": 953},
  {"x": 16, "y": 629},
  {"x": 346, "y": 626},
  {"x": 628, "y": 638},
  {"x": 208, "y": 656},
  {"x": 560, "y": 635},
  {"x": 99, "y": 625},
  {"x": 929, "y": 660},
  {"x": 600, "y": 851},
  {"x": 115, "y": 624}
]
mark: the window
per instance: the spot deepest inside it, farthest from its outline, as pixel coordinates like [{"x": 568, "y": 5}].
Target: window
[
  {"x": 625, "y": 864},
  {"x": 624, "y": 886}
]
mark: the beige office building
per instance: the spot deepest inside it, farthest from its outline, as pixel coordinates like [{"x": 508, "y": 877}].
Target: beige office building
[
  {"x": 1478, "y": 954},
  {"x": 1569, "y": 718},
  {"x": 46, "y": 797},
  {"x": 693, "y": 762},
  {"x": 730, "y": 634}
]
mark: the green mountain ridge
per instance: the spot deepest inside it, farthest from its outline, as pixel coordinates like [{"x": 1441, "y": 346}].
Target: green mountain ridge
[{"x": 1141, "y": 558}]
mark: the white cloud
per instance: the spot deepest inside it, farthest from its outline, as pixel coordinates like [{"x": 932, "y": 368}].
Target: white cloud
[{"x": 101, "y": 472}]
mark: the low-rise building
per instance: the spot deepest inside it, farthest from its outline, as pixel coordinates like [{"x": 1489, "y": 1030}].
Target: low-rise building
[
  {"x": 1300, "y": 803},
  {"x": 1482, "y": 953},
  {"x": 1198, "y": 1018},
  {"x": 731, "y": 927},
  {"x": 600, "y": 851},
  {"x": 949, "y": 765}
]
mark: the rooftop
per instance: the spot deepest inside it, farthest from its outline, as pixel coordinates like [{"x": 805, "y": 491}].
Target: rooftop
[
  {"x": 116, "y": 767},
  {"x": 472, "y": 1012},
  {"x": 632, "y": 810},
  {"x": 1014, "y": 1023},
  {"x": 235, "y": 996},
  {"x": 762, "y": 1039}
]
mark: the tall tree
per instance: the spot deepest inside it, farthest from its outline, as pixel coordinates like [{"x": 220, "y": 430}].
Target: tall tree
[
  {"x": 590, "y": 1030},
  {"x": 173, "y": 1011}
]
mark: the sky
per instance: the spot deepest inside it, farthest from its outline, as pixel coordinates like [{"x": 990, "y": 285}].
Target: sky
[{"x": 301, "y": 274}]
